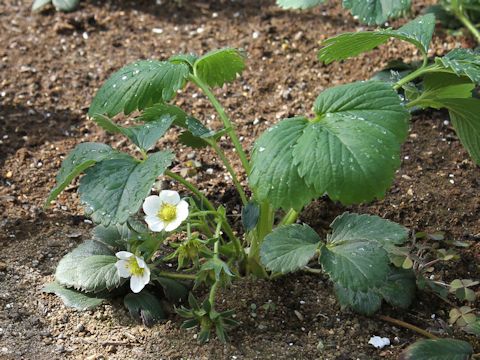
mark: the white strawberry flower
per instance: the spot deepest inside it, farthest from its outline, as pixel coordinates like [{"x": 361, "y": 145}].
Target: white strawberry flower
[
  {"x": 166, "y": 211},
  {"x": 133, "y": 267}
]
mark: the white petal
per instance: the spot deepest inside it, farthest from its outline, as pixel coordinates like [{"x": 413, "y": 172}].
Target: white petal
[
  {"x": 122, "y": 267},
  {"x": 182, "y": 210},
  {"x": 124, "y": 255},
  {"x": 172, "y": 225},
  {"x": 140, "y": 262},
  {"x": 157, "y": 226},
  {"x": 137, "y": 283},
  {"x": 170, "y": 197},
  {"x": 151, "y": 205}
]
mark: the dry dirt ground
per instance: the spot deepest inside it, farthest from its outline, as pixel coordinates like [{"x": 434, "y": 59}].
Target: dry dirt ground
[{"x": 51, "y": 65}]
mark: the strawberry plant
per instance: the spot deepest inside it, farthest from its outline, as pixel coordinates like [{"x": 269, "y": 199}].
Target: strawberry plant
[
  {"x": 349, "y": 150},
  {"x": 59, "y": 5}
]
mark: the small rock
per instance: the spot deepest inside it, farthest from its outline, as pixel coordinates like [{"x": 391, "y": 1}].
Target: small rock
[
  {"x": 80, "y": 328},
  {"x": 3, "y": 266},
  {"x": 298, "y": 314}
]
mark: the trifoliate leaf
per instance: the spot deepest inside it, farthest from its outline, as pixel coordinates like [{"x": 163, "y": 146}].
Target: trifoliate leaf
[
  {"x": 219, "y": 66},
  {"x": 352, "y": 149},
  {"x": 144, "y": 307},
  {"x": 363, "y": 302},
  {"x": 274, "y": 176},
  {"x": 438, "y": 349},
  {"x": 462, "y": 62},
  {"x": 137, "y": 86},
  {"x": 113, "y": 190},
  {"x": 376, "y": 11},
  {"x": 299, "y": 4},
  {"x": 65, "y": 5},
  {"x": 39, "y": 5},
  {"x": 250, "y": 214},
  {"x": 418, "y": 32},
  {"x": 350, "y": 227},
  {"x": 399, "y": 288},
  {"x": 79, "y": 159},
  {"x": 73, "y": 298},
  {"x": 289, "y": 248}
]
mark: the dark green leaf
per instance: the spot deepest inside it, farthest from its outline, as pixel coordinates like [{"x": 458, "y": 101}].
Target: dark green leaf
[
  {"x": 352, "y": 227},
  {"x": 473, "y": 328},
  {"x": 438, "y": 86},
  {"x": 352, "y": 149},
  {"x": 439, "y": 349},
  {"x": 138, "y": 86},
  {"x": 418, "y": 32},
  {"x": 79, "y": 159},
  {"x": 39, "y": 5},
  {"x": 274, "y": 176},
  {"x": 144, "y": 307},
  {"x": 365, "y": 303},
  {"x": 174, "y": 290},
  {"x": 298, "y": 4},
  {"x": 160, "y": 110},
  {"x": 462, "y": 62},
  {"x": 65, "y": 5},
  {"x": 250, "y": 214},
  {"x": 190, "y": 140},
  {"x": 376, "y": 11},
  {"x": 112, "y": 235},
  {"x": 113, "y": 190},
  {"x": 219, "y": 66},
  {"x": 184, "y": 58},
  {"x": 289, "y": 248},
  {"x": 198, "y": 129},
  {"x": 73, "y": 298},
  {"x": 399, "y": 289}
]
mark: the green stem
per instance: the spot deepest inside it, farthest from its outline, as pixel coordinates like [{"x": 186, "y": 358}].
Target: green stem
[
  {"x": 230, "y": 170},
  {"x": 176, "y": 276},
  {"x": 410, "y": 77},
  {"x": 264, "y": 227},
  {"x": 227, "y": 123},
  {"x": 290, "y": 217},
  {"x": 468, "y": 24}
]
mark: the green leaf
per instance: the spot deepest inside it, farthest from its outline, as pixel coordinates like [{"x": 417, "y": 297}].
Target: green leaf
[
  {"x": 113, "y": 190},
  {"x": 473, "y": 328},
  {"x": 299, "y": 4},
  {"x": 352, "y": 149},
  {"x": 250, "y": 215},
  {"x": 352, "y": 227},
  {"x": 112, "y": 235},
  {"x": 462, "y": 62},
  {"x": 289, "y": 248},
  {"x": 399, "y": 289},
  {"x": 417, "y": 32},
  {"x": 39, "y": 5},
  {"x": 144, "y": 307},
  {"x": 73, "y": 298},
  {"x": 184, "y": 58},
  {"x": 65, "y": 5},
  {"x": 138, "y": 86},
  {"x": 219, "y": 66},
  {"x": 174, "y": 290},
  {"x": 79, "y": 159},
  {"x": 439, "y": 349},
  {"x": 90, "y": 267},
  {"x": 376, "y": 11},
  {"x": 190, "y": 140},
  {"x": 160, "y": 110},
  {"x": 365, "y": 303},
  {"x": 439, "y": 86},
  {"x": 274, "y": 176}
]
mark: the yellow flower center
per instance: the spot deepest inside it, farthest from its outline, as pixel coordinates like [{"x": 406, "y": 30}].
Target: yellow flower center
[
  {"x": 134, "y": 268},
  {"x": 167, "y": 212}
]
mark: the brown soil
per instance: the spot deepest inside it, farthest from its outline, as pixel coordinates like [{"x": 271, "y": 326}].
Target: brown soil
[{"x": 51, "y": 66}]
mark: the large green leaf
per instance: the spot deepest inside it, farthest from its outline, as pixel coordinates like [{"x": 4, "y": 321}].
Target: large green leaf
[
  {"x": 113, "y": 190},
  {"x": 289, "y": 248},
  {"x": 437, "y": 86},
  {"x": 399, "y": 289},
  {"x": 298, "y": 4},
  {"x": 352, "y": 149},
  {"x": 90, "y": 267},
  {"x": 73, "y": 298},
  {"x": 139, "y": 85},
  {"x": 439, "y": 349},
  {"x": 65, "y": 5},
  {"x": 376, "y": 11},
  {"x": 113, "y": 235},
  {"x": 274, "y": 176},
  {"x": 219, "y": 66},
  {"x": 418, "y": 32},
  {"x": 462, "y": 62},
  {"x": 363, "y": 302},
  {"x": 144, "y": 307},
  {"x": 79, "y": 159},
  {"x": 473, "y": 328},
  {"x": 352, "y": 227}
]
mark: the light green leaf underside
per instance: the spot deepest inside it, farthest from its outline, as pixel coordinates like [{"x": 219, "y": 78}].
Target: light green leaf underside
[
  {"x": 363, "y": 302},
  {"x": 90, "y": 267},
  {"x": 299, "y": 4},
  {"x": 417, "y": 32},
  {"x": 439, "y": 349},
  {"x": 73, "y": 298},
  {"x": 79, "y": 159},
  {"x": 462, "y": 62},
  {"x": 65, "y": 5},
  {"x": 219, "y": 66},
  {"x": 376, "y": 11},
  {"x": 289, "y": 248},
  {"x": 137, "y": 86},
  {"x": 352, "y": 227},
  {"x": 114, "y": 189},
  {"x": 39, "y": 5}
]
